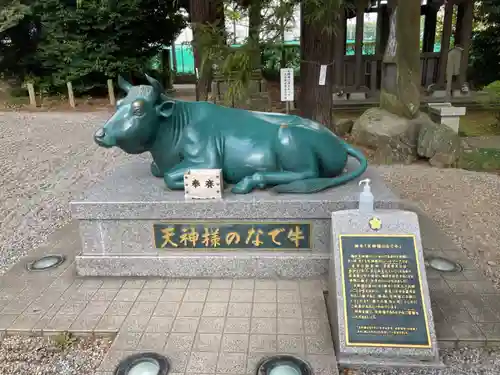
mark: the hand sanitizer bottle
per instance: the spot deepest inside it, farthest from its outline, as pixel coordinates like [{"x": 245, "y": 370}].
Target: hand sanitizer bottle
[{"x": 366, "y": 201}]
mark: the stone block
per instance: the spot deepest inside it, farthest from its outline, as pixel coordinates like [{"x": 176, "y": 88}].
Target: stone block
[
  {"x": 460, "y": 93},
  {"x": 339, "y": 97},
  {"x": 357, "y": 96},
  {"x": 118, "y": 217},
  {"x": 446, "y": 114},
  {"x": 438, "y": 94},
  {"x": 388, "y": 332}
]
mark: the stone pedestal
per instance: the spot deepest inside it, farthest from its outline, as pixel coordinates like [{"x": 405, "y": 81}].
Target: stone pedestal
[
  {"x": 446, "y": 114},
  {"x": 127, "y": 218},
  {"x": 357, "y": 96},
  {"x": 460, "y": 94},
  {"x": 438, "y": 94},
  {"x": 339, "y": 97}
]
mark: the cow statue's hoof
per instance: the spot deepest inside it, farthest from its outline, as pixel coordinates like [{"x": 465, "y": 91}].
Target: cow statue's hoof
[
  {"x": 155, "y": 171},
  {"x": 243, "y": 187},
  {"x": 249, "y": 183}
]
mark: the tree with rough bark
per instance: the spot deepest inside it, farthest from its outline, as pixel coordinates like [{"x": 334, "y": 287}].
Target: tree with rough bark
[
  {"x": 400, "y": 91},
  {"x": 205, "y": 15},
  {"x": 318, "y": 32}
]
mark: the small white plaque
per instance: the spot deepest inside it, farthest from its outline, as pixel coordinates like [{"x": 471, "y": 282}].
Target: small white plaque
[
  {"x": 203, "y": 184},
  {"x": 322, "y": 75},
  {"x": 287, "y": 85}
]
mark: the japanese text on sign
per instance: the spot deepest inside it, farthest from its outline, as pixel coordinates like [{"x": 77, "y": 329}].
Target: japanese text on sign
[
  {"x": 262, "y": 236},
  {"x": 383, "y": 302},
  {"x": 287, "y": 85}
]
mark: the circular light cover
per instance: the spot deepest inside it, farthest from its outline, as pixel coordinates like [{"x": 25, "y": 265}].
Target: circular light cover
[
  {"x": 45, "y": 263},
  {"x": 285, "y": 369},
  {"x": 146, "y": 366},
  {"x": 283, "y": 365},
  {"x": 143, "y": 364},
  {"x": 444, "y": 265}
]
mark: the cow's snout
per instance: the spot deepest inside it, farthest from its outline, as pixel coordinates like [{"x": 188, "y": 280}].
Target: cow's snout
[
  {"x": 99, "y": 134},
  {"x": 100, "y": 138}
]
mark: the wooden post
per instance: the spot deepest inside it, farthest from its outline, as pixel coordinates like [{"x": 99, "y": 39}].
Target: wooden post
[
  {"x": 339, "y": 50},
  {"x": 429, "y": 29},
  {"x": 165, "y": 64},
  {"x": 360, "y": 18},
  {"x": 71, "y": 96},
  {"x": 174, "y": 57},
  {"x": 466, "y": 36},
  {"x": 31, "y": 92},
  {"x": 378, "y": 33},
  {"x": 282, "y": 39},
  {"x": 111, "y": 92},
  {"x": 445, "y": 41},
  {"x": 457, "y": 36}
]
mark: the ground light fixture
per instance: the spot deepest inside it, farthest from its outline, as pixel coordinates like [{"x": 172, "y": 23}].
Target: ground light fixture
[
  {"x": 143, "y": 364},
  {"x": 443, "y": 265},
  {"x": 46, "y": 262},
  {"x": 283, "y": 365}
]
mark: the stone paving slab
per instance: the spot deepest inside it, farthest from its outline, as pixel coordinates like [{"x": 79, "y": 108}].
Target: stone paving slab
[{"x": 219, "y": 326}]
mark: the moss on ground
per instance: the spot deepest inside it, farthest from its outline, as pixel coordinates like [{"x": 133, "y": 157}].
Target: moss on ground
[
  {"x": 477, "y": 123},
  {"x": 480, "y": 159}
]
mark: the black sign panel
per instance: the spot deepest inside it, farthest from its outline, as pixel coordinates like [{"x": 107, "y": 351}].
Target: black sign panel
[
  {"x": 382, "y": 290},
  {"x": 218, "y": 236}
]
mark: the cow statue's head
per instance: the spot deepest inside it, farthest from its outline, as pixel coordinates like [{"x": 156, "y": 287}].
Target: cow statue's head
[{"x": 134, "y": 125}]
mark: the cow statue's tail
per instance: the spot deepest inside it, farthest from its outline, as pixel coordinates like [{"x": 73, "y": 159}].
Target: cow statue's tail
[{"x": 313, "y": 185}]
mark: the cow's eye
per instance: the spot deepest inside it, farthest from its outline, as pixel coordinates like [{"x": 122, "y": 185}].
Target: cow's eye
[{"x": 138, "y": 108}]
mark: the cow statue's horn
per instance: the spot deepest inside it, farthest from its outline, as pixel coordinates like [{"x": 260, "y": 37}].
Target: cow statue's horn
[
  {"x": 123, "y": 84},
  {"x": 156, "y": 85}
]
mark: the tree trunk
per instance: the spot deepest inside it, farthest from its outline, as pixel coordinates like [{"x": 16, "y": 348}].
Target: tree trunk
[
  {"x": 400, "y": 92},
  {"x": 254, "y": 21},
  {"x": 204, "y": 12},
  {"x": 317, "y": 45},
  {"x": 282, "y": 43}
]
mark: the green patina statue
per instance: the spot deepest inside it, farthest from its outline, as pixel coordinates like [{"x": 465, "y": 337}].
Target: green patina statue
[{"x": 253, "y": 149}]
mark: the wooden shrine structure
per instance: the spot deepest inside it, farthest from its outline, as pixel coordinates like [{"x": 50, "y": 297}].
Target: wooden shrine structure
[{"x": 362, "y": 73}]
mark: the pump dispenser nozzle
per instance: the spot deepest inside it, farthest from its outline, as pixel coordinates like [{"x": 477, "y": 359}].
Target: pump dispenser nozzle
[{"x": 366, "y": 184}]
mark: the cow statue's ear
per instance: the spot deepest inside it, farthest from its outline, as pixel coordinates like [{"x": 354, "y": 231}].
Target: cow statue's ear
[{"x": 166, "y": 108}]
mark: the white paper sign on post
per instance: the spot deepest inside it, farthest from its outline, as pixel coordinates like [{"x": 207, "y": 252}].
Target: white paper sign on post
[
  {"x": 287, "y": 85},
  {"x": 322, "y": 75}
]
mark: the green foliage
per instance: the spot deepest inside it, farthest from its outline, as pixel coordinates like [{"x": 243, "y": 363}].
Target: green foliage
[
  {"x": 89, "y": 43},
  {"x": 271, "y": 59},
  {"x": 64, "y": 341},
  {"x": 12, "y": 14},
  {"x": 235, "y": 65},
  {"x": 485, "y": 51},
  {"x": 232, "y": 64},
  {"x": 491, "y": 101},
  {"x": 325, "y": 13}
]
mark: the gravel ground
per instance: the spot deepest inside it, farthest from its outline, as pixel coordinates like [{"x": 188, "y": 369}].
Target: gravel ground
[
  {"x": 46, "y": 160},
  {"x": 21, "y": 355},
  {"x": 464, "y": 204}
]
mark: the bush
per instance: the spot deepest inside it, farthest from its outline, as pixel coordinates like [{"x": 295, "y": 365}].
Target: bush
[
  {"x": 491, "y": 99},
  {"x": 59, "y": 42}
]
